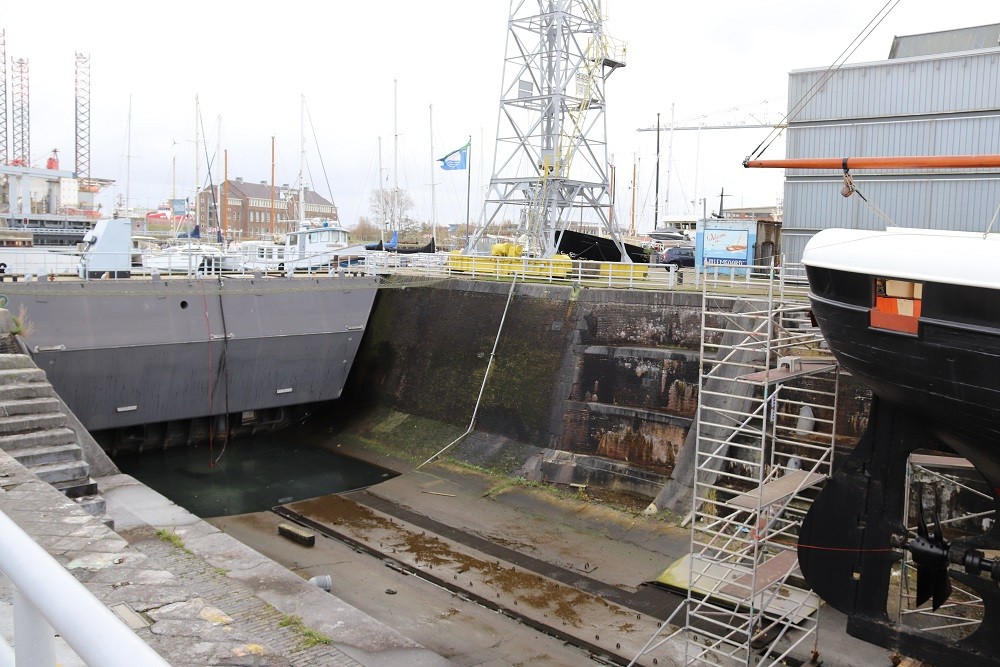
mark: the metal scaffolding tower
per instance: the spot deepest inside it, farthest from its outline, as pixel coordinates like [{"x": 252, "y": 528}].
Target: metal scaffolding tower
[
  {"x": 82, "y": 115},
  {"x": 551, "y": 160},
  {"x": 953, "y": 482},
  {"x": 3, "y": 97},
  {"x": 766, "y": 429},
  {"x": 21, "y": 118}
]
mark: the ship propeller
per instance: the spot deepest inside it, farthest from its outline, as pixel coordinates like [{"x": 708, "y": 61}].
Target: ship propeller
[{"x": 930, "y": 555}]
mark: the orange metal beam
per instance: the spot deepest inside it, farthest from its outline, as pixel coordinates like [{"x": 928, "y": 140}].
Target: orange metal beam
[{"x": 899, "y": 162}]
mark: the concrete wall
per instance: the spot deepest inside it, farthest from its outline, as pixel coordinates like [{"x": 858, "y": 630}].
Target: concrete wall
[
  {"x": 590, "y": 386},
  {"x": 597, "y": 374}
]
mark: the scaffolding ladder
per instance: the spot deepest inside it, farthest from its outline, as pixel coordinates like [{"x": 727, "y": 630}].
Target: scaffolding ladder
[{"x": 766, "y": 429}]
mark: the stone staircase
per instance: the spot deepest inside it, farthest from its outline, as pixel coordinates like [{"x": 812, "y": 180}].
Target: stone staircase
[{"x": 34, "y": 431}]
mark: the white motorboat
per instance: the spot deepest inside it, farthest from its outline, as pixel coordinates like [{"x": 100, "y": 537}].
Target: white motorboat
[
  {"x": 316, "y": 245},
  {"x": 191, "y": 258}
]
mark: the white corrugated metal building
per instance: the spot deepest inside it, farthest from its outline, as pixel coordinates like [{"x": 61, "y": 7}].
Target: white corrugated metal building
[{"x": 938, "y": 100}]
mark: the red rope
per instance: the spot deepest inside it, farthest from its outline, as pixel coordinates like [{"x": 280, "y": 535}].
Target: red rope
[{"x": 854, "y": 549}]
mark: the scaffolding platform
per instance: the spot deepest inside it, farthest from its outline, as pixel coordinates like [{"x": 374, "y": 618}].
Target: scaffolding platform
[
  {"x": 773, "y": 375},
  {"x": 731, "y": 586},
  {"x": 777, "y": 489}
]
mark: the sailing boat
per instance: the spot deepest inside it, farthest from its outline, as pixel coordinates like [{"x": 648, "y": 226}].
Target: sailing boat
[{"x": 318, "y": 243}]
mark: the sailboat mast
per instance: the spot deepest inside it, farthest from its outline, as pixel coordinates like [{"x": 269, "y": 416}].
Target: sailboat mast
[
  {"x": 173, "y": 193},
  {"x": 302, "y": 163},
  {"x": 225, "y": 194},
  {"x": 433, "y": 206},
  {"x": 128, "y": 156},
  {"x": 656, "y": 194},
  {"x": 670, "y": 161},
  {"x": 381, "y": 187},
  {"x": 395, "y": 160},
  {"x": 197, "y": 162},
  {"x": 272, "y": 185},
  {"x": 632, "y": 224}
]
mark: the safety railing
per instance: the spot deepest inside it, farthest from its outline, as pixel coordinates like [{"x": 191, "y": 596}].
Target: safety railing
[
  {"x": 747, "y": 280},
  {"x": 49, "y": 600}
]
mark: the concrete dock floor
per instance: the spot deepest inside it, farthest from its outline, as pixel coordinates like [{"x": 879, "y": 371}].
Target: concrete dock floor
[
  {"x": 441, "y": 566},
  {"x": 557, "y": 565}
]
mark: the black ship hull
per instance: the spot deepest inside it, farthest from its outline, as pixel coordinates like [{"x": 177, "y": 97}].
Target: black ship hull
[{"x": 946, "y": 372}]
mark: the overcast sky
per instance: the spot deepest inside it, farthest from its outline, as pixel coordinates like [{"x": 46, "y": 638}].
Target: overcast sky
[{"x": 250, "y": 62}]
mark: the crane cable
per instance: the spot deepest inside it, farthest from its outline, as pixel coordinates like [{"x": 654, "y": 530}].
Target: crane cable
[{"x": 818, "y": 85}]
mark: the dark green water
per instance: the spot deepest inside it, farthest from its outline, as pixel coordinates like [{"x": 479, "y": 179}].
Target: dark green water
[{"x": 252, "y": 475}]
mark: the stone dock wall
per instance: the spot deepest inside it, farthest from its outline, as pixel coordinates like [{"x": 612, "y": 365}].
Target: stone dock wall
[{"x": 595, "y": 386}]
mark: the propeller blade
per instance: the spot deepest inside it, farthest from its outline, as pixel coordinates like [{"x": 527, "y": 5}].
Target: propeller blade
[
  {"x": 930, "y": 556},
  {"x": 924, "y": 588},
  {"x": 942, "y": 588},
  {"x": 938, "y": 537},
  {"x": 921, "y": 522}
]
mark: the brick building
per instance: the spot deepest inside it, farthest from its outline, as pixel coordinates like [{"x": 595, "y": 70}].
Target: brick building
[{"x": 248, "y": 208}]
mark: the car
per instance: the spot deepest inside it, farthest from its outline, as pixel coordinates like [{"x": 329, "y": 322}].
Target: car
[{"x": 678, "y": 256}]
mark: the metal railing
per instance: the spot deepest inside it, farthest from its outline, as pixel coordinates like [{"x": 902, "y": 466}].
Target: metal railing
[
  {"x": 748, "y": 280},
  {"x": 48, "y": 599}
]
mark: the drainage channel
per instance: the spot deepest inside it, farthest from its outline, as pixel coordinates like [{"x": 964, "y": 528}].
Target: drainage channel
[
  {"x": 563, "y": 576},
  {"x": 652, "y": 601}
]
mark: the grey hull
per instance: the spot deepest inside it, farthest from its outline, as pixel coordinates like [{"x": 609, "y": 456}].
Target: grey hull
[{"x": 133, "y": 352}]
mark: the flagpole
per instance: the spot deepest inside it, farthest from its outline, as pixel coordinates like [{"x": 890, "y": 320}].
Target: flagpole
[{"x": 468, "y": 191}]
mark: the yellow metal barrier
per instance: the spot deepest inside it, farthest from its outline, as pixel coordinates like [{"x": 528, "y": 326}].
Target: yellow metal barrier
[{"x": 559, "y": 266}]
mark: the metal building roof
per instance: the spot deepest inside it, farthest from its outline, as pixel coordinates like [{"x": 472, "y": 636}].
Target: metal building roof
[{"x": 946, "y": 41}]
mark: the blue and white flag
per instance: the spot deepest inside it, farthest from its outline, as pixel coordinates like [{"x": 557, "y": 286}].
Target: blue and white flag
[{"x": 457, "y": 159}]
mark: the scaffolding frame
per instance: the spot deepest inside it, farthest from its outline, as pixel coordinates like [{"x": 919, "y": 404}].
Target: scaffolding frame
[
  {"x": 964, "y": 610},
  {"x": 766, "y": 429}
]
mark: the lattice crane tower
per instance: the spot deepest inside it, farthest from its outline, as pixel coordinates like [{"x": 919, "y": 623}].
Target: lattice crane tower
[
  {"x": 3, "y": 98},
  {"x": 82, "y": 116},
  {"x": 21, "y": 155},
  {"x": 551, "y": 161}
]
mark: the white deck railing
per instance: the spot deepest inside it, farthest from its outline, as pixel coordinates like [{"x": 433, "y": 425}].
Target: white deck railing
[
  {"x": 48, "y": 599},
  {"x": 615, "y": 275}
]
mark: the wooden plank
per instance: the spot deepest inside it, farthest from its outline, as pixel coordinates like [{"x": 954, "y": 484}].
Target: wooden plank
[
  {"x": 773, "y": 375},
  {"x": 777, "y": 489},
  {"x": 768, "y": 572},
  {"x": 934, "y": 461}
]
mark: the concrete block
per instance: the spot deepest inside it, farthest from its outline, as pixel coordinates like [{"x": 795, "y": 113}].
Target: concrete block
[
  {"x": 93, "y": 504},
  {"x": 297, "y": 534}
]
